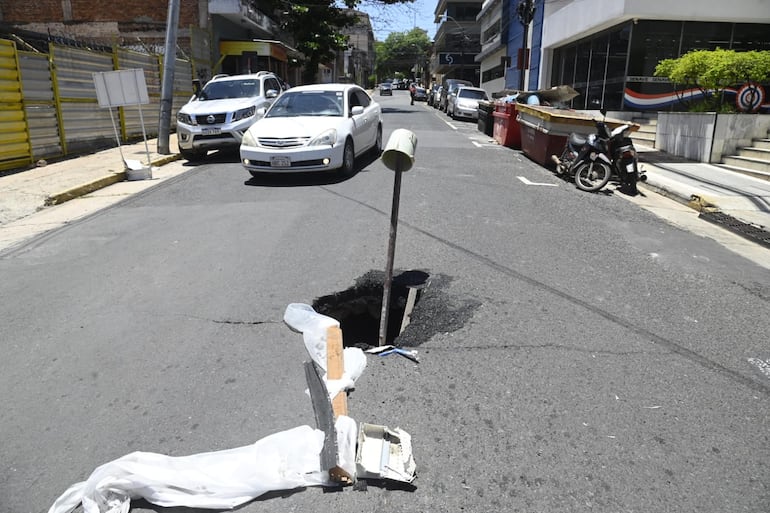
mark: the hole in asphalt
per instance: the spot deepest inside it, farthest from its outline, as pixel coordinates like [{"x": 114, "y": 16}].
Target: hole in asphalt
[{"x": 358, "y": 308}]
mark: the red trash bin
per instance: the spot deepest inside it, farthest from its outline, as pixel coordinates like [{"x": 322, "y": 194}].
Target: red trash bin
[{"x": 506, "y": 130}]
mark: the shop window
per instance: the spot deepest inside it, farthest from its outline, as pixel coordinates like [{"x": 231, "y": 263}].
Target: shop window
[
  {"x": 651, "y": 42},
  {"x": 705, "y": 36},
  {"x": 598, "y": 58},
  {"x": 582, "y": 63},
  {"x": 618, "y": 53},
  {"x": 750, "y": 36}
]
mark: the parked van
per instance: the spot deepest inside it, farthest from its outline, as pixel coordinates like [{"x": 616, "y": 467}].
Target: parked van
[{"x": 450, "y": 87}]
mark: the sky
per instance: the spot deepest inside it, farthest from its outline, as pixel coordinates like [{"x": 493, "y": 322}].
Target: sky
[{"x": 400, "y": 17}]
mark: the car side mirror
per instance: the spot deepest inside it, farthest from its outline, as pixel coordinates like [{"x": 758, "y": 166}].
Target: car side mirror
[
  {"x": 357, "y": 110},
  {"x": 260, "y": 112},
  {"x": 271, "y": 93}
]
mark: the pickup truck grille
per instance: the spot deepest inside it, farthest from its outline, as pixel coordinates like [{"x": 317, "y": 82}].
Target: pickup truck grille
[{"x": 216, "y": 119}]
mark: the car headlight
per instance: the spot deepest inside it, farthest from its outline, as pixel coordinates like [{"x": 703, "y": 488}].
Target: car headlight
[
  {"x": 325, "y": 138},
  {"x": 184, "y": 118},
  {"x": 248, "y": 139},
  {"x": 244, "y": 113}
]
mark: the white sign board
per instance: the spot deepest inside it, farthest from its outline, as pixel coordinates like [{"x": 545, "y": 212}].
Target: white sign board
[{"x": 121, "y": 88}]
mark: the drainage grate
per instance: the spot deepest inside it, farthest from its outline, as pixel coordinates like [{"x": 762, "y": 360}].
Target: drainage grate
[{"x": 748, "y": 231}]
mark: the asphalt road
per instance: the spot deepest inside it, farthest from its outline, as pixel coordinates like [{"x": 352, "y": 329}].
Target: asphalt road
[{"x": 579, "y": 352}]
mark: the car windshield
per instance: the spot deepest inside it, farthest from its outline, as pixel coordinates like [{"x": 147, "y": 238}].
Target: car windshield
[
  {"x": 307, "y": 103},
  {"x": 472, "y": 94},
  {"x": 224, "y": 89}
]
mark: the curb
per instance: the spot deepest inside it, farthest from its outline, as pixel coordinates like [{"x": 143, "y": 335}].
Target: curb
[
  {"x": 100, "y": 183},
  {"x": 694, "y": 201},
  {"x": 81, "y": 190}
]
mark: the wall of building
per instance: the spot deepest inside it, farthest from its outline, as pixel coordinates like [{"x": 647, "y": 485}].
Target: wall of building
[
  {"x": 574, "y": 20},
  {"x": 83, "y": 11}
]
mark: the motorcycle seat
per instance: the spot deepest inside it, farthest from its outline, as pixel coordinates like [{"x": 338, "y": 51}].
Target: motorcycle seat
[{"x": 576, "y": 140}]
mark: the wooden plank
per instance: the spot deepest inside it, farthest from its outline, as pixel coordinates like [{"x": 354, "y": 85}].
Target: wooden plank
[{"x": 335, "y": 367}]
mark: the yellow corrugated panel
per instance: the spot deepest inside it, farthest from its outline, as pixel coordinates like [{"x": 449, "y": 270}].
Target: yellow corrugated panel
[
  {"x": 9, "y": 74},
  {"x": 13, "y": 131},
  {"x": 17, "y": 150},
  {"x": 7, "y": 50},
  {"x": 10, "y": 97},
  {"x": 12, "y": 113}
]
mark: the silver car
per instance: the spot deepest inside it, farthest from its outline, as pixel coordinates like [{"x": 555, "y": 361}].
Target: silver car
[{"x": 464, "y": 103}]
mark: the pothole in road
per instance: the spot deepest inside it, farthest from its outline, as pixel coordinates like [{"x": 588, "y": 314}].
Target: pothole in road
[{"x": 358, "y": 308}]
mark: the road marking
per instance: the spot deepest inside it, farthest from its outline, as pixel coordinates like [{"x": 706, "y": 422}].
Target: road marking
[
  {"x": 477, "y": 145},
  {"x": 763, "y": 366},
  {"x": 527, "y": 182}
]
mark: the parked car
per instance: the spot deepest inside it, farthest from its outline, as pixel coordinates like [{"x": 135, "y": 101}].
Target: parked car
[
  {"x": 420, "y": 94},
  {"x": 216, "y": 117},
  {"x": 464, "y": 103},
  {"x": 386, "y": 89},
  {"x": 449, "y": 86},
  {"x": 437, "y": 97},
  {"x": 432, "y": 94},
  {"x": 317, "y": 127}
]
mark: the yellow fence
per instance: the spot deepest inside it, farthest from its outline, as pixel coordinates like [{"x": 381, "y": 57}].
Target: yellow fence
[
  {"x": 49, "y": 108},
  {"x": 15, "y": 149}
]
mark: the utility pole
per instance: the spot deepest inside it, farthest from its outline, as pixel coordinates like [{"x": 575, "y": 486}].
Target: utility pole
[
  {"x": 167, "y": 86},
  {"x": 526, "y": 12}
]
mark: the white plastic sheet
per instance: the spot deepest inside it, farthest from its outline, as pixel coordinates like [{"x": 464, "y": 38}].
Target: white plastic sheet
[
  {"x": 302, "y": 318},
  {"x": 226, "y": 479},
  {"x": 216, "y": 480}
]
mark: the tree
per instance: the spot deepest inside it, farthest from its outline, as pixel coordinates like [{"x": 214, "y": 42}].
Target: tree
[
  {"x": 711, "y": 71},
  {"x": 315, "y": 26},
  {"x": 401, "y": 52}
]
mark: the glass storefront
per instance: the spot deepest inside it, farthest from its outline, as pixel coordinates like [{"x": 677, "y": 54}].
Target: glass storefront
[{"x": 615, "y": 68}]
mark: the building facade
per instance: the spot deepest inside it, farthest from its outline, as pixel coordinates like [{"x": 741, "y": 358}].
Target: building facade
[
  {"x": 457, "y": 41},
  {"x": 217, "y": 36},
  {"x": 608, "y": 49}
]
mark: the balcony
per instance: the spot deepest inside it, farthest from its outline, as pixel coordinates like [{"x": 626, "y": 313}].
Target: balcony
[{"x": 245, "y": 14}]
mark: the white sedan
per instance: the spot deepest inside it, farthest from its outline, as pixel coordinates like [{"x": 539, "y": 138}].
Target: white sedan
[{"x": 314, "y": 128}]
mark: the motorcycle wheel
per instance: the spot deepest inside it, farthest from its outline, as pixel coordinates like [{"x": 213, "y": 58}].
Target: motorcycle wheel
[
  {"x": 592, "y": 176},
  {"x": 629, "y": 180}
]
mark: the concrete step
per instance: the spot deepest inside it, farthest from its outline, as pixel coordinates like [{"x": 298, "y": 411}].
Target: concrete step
[
  {"x": 745, "y": 171},
  {"x": 649, "y": 137},
  {"x": 754, "y": 152},
  {"x": 647, "y": 121},
  {"x": 747, "y": 163},
  {"x": 761, "y": 143}
]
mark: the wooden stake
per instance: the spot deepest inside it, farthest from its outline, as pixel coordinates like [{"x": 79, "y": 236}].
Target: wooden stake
[{"x": 335, "y": 367}]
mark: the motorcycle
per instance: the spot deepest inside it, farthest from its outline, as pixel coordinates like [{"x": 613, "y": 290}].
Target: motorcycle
[
  {"x": 624, "y": 160},
  {"x": 592, "y": 160}
]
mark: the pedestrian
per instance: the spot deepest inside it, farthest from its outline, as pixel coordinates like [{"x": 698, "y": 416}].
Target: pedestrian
[{"x": 412, "y": 89}]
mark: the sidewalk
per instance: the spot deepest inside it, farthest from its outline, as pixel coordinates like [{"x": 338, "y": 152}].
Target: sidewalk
[
  {"x": 29, "y": 191},
  {"x": 704, "y": 187},
  {"x": 732, "y": 200}
]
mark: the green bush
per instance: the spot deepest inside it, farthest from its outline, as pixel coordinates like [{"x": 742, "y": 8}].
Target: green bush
[{"x": 712, "y": 71}]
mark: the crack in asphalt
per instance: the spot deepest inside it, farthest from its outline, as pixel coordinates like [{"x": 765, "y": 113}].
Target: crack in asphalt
[
  {"x": 242, "y": 323},
  {"x": 653, "y": 337},
  {"x": 573, "y": 349}
]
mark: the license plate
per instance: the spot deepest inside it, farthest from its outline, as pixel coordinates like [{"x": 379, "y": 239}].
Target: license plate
[
  {"x": 280, "y": 162},
  {"x": 211, "y": 131}
]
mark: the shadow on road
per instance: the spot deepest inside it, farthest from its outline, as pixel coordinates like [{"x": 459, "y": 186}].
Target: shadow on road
[{"x": 310, "y": 178}]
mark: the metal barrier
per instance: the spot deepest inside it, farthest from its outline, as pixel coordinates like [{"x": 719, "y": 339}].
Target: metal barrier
[
  {"x": 15, "y": 147},
  {"x": 48, "y": 104}
]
